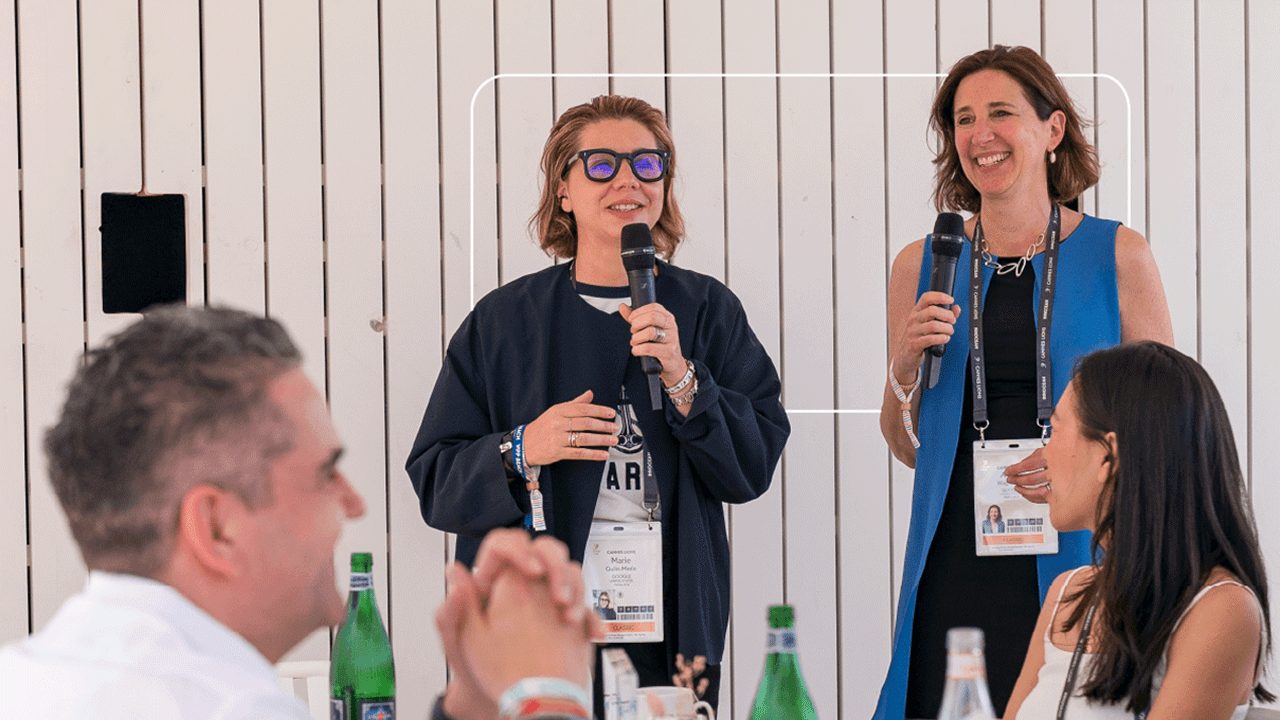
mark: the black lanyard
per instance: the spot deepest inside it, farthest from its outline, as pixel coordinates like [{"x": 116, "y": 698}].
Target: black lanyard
[
  {"x": 1044, "y": 320},
  {"x": 1070, "y": 683}
]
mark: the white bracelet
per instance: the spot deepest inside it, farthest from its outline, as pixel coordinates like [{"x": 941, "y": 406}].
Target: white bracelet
[{"x": 904, "y": 397}]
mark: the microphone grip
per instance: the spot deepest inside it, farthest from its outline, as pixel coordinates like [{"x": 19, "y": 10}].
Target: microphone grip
[
  {"x": 942, "y": 279},
  {"x": 642, "y": 293}
]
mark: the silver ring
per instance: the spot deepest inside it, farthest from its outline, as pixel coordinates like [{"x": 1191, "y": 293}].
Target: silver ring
[
  {"x": 659, "y": 335},
  {"x": 573, "y": 439}
]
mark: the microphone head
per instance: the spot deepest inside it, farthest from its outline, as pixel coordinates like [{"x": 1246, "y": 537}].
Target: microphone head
[
  {"x": 948, "y": 235},
  {"x": 637, "y": 247}
]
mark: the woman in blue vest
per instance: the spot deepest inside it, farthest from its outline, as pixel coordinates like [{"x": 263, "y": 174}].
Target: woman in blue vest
[{"x": 1012, "y": 153}]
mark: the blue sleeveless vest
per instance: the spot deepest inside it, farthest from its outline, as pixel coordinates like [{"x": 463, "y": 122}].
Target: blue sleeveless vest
[{"x": 1086, "y": 317}]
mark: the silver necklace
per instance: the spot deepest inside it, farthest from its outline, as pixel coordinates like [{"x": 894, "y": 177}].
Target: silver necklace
[{"x": 1013, "y": 266}]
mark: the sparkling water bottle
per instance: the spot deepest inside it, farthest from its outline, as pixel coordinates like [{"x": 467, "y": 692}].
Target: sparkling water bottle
[
  {"x": 782, "y": 694},
  {"x": 965, "y": 696},
  {"x": 362, "y": 677}
]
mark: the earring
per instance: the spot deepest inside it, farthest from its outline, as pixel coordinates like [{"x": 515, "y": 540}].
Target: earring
[{"x": 1053, "y": 157}]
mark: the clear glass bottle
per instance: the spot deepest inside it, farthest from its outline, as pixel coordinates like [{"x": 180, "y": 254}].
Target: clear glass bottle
[
  {"x": 965, "y": 696},
  {"x": 782, "y": 694},
  {"x": 362, "y": 676}
]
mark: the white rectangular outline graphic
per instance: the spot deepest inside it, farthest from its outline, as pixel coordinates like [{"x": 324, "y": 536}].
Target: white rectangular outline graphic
[{"x": 471, "y": 273}]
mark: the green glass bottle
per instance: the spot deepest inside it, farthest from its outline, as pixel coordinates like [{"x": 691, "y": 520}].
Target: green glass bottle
[
  {"x": 362, "y": 676},
  {"x": 782, "y": 694}
]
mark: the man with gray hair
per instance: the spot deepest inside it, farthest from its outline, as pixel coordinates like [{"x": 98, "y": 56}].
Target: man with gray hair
[{"x": 198, "y": 469}]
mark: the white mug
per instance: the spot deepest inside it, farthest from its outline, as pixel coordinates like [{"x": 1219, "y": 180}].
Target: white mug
[{"x": 664, "y": 702}]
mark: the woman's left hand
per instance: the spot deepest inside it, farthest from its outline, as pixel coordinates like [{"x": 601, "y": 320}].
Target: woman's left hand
[{"x": 654, "y": 333}]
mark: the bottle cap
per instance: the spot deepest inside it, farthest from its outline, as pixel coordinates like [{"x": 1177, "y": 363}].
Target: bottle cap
[
  {"x": 965, "y": 640},
  {"x": 781, "y": 616}
]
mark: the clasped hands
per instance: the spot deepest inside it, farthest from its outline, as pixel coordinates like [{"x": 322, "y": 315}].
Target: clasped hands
[{"x": 519, "y": 614}]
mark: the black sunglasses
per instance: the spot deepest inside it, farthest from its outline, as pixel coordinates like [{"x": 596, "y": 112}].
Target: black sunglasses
[{"x": 601, "y": 164}]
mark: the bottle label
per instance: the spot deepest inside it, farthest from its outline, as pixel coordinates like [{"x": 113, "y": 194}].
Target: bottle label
[
  {"x": 337, "y": 709},
  {"x": 966, "y": 666},
  {"x": 361, "y": 581},
  {"x": 380, "y": 710},
  {"x": 781, "y": 640}
]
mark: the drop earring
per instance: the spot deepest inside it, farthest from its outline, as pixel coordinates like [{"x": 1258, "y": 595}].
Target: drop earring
[{"x": 1053, "y": 157}]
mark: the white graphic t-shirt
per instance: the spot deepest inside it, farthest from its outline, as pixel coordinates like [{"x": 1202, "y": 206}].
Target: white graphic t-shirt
[{"x": 622, "y": 482}]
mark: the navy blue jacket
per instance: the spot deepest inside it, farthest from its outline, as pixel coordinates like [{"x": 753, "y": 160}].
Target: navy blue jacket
[{"x": 533, "y": 343}]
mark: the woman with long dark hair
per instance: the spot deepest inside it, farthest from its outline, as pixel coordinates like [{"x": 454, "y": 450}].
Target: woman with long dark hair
[{"x": 1174, "y": 610}]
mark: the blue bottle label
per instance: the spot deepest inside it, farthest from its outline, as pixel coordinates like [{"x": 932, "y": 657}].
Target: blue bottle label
[
  {"x": 381, "y": 710},
  {"x": 337, "y": 709},
  {"x": 361, "y": 581}
]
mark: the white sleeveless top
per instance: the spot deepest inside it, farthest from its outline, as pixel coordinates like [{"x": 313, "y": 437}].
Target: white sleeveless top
[{"x": 1042, "y": 701}]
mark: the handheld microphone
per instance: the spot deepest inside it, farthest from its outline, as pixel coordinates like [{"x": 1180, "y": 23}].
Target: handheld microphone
[
  {"x": 638, "y": 259},
  {"x": 948, "y": 241}
]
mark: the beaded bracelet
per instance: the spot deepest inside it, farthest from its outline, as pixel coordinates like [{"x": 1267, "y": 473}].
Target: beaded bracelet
[{"x": 904, "y": 397}]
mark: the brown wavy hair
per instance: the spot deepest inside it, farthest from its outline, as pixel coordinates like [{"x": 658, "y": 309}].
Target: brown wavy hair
[
  {"x": 1076, "y": 169},
  {"x": 556, "y": 230}
]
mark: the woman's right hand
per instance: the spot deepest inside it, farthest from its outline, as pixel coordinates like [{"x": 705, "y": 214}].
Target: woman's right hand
[
  {"x": 931, "y": 322},
  {"x": 571, "y": 430}
]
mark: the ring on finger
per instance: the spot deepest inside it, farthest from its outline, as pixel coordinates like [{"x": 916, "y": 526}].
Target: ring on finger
[
  {"x": 573, "y": 439},
  {"x": 659, "y": 335}
]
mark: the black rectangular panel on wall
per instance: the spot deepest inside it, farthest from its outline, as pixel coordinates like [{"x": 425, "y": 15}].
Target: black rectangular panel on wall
[{"x": 144, "y": 251}]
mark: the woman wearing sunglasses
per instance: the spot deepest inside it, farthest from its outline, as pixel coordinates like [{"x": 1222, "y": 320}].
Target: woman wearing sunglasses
[
  {"x": 542, "y": 415},
  {"x": 1012, "y": 153},
  {"x": 1171, "y": 620}
]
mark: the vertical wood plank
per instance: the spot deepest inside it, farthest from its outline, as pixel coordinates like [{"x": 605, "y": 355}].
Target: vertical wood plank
[
  {"x": 1016, "y": 22},
  {"x": 808, "y": 343},
  {"x": 110, "y": 131},
  {"x": 466, "y": 63},
  {"x": 233, "y": 154},
  {"x": 1068, "y": 48},
  {"x": 637, "y": 44},
  {"x": 1121, "y": 142},
  {"x": 411, "y": 211},
  {"x": 963, "y": 29},
  {"x": 752, "y": 270},
  {"x": 909, "y": 154},
  {"x": 581, "y": 42},
  {"x": 696, "y": 118},
  {"x": 1264, "y": 258},
  {"x": 1171, "y": 174},
  {"x": 294, "y": 248},
  {"x": 1224, "y": 327},
  {"x": 353, "y": 237},
  {"x": 524, "y": 117},
  {"x": 293, "y": 240},
  {"x": 861, "y": 268},
  {"x": 172, "y": 123},
  {"x": 53, "y": 297},
  {"x": 13, "y": 492}
]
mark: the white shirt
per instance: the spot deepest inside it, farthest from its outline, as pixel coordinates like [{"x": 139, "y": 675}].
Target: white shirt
[
  {"x": 128, "y": 647},
  {"x": 1042, "y": 701}
]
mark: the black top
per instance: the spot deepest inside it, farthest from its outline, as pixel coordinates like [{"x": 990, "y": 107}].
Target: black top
[{"x": 1001, "y": 595}]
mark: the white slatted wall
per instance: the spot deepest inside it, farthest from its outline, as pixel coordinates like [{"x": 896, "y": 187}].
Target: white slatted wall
[{"x": 331, "y": 152}]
